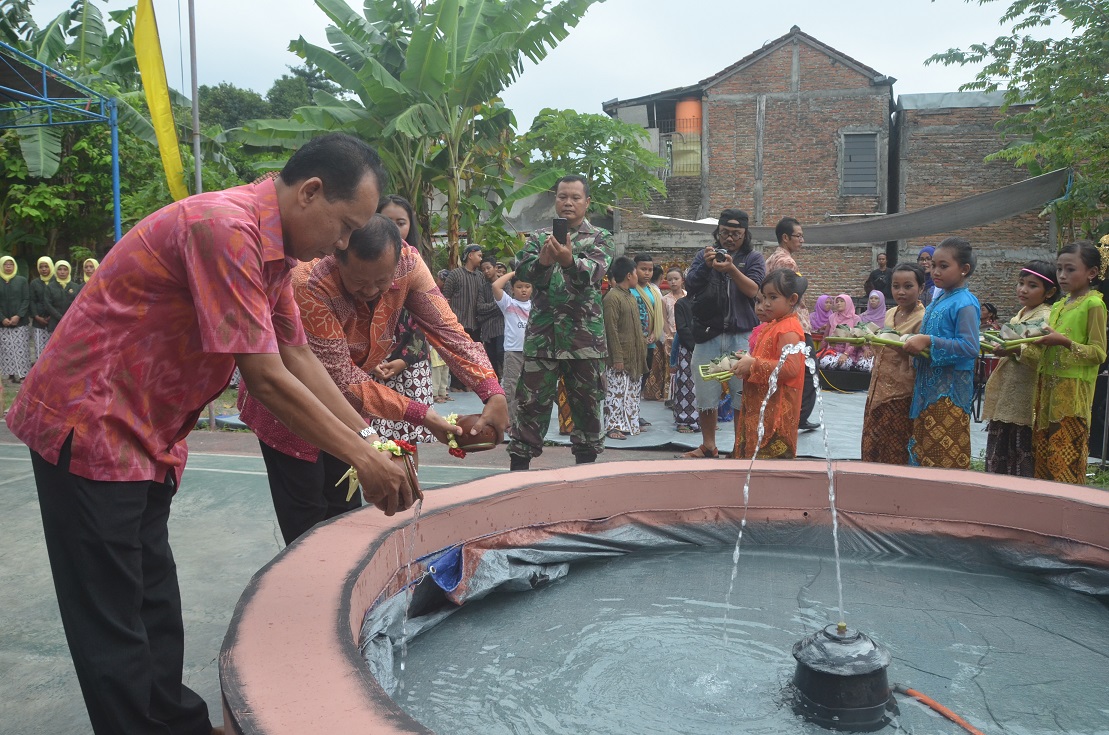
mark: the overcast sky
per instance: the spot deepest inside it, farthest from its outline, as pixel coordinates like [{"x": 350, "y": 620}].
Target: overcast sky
[{"x": 621, "y": 49}]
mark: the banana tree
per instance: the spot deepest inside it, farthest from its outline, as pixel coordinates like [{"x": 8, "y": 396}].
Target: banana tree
[{"x": 421, "y": 82}]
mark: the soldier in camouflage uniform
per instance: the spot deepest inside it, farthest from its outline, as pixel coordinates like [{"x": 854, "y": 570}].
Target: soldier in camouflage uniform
[{"x": 566, "y": 332}]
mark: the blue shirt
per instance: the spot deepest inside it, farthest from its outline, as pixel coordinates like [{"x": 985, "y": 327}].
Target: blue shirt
[{"x": 951, "y": 320}]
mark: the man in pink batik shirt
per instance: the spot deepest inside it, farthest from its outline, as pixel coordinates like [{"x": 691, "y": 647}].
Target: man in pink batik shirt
[{"x": 192, "y": 291}]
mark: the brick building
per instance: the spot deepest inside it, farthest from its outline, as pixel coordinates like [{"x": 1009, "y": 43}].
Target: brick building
[
  {"x": 798, "y": 128},
  {"x": 941, "y": 141}
]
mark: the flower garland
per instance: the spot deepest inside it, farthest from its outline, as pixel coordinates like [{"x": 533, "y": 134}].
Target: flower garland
[
  {"x": 452, "y": 441},
  {"x": 396, "y": 447}
]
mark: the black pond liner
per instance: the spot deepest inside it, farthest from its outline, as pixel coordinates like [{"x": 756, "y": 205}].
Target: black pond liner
[{"x": 913, "y": 608}]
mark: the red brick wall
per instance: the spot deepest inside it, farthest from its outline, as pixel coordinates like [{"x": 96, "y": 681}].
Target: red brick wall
[{"x": 801, "y": 136}]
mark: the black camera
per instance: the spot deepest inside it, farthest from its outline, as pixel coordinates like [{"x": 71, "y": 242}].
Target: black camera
[{"x": 721, "y": 254}]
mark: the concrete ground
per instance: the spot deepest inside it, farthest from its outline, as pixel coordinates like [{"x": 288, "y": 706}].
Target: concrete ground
[{"x": 223, "y": 530}]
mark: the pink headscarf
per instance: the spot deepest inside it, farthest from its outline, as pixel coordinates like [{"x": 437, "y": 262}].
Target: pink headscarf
[
  {"x": 848, "y": 317},
  {"x": 819, "y": 316},
  {"x": 877, "y": 315}
]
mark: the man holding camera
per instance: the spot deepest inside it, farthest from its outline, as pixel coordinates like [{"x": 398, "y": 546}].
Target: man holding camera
[
  {"x": 722, "y": 281},
  {"x": 565, "y": 335}
]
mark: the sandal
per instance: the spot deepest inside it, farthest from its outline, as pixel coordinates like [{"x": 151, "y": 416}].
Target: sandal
[
  {"x": 683, "y": 429},
  {"x": 701, "y": 452},
  {"x": 615, "y": 434}
]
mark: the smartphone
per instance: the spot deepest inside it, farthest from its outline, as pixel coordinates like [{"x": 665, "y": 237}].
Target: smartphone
[{"x": 560, "y": 229}]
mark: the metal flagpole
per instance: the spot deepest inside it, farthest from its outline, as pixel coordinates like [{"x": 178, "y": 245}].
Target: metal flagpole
[
  {"x": 196, "y": 101},
  {"x": 199, "y": 188}
]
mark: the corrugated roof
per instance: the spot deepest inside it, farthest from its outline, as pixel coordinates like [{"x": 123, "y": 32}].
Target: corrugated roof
[{"x": 947, "y": 100}]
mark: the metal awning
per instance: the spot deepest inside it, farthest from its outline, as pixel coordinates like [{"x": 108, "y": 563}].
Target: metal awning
[
  {"x": 33, "y": 95},
  {"x": 979, "y": 209},
  {"x": 20, "y": 82}
]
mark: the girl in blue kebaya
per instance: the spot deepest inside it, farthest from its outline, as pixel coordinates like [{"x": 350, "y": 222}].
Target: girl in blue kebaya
[{"x": 945, "y": 351}]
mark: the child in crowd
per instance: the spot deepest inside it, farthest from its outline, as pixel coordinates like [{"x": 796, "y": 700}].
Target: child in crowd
[
  {"x": 1068, "y": 358},
  {"x": 1007, "y": 406},
  {"x": 627, "y": 351},
  {"x": 944, "y": 383},
  {"x": 516, "y": 309},
  {"x": 780, "y": 293},
  {"x": 657, "y": 387},
  {"x": 839, "y": 356},
  {"x": 684, "y": 402},
  {"x": 924, "y": 260},
  {"x": 989, "y": 317},
  {"x": 649, "y": 299},
  {"x": 886, "y": 424}
]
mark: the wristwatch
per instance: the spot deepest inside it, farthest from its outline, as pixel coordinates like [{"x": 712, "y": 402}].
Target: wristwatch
[{"x": 366, "y": 433}]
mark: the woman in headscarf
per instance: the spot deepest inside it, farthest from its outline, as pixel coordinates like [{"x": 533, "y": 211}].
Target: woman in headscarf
[
  {"x": 88, "y": 268},
  {"x": 60, "y": 294},
  {"x": 40, "y": 317},
  {"x": 924, "y": 260},
  {"x": 875, "y": 309},
  {"x": 840, "y": 356},
  {"x": 818, "y": 319},
  {"x": 15, "y": 318},
  {"x": 875, "y": 314}
]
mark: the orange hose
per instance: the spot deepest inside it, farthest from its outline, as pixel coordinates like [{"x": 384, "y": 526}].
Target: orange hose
[{"x": 933, "y": 704}]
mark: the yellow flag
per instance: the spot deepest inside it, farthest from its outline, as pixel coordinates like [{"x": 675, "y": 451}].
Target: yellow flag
[{"x": 148, "y": 53}]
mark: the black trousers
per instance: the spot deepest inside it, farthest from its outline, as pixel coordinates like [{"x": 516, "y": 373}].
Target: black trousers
[
  {"x": 304, "y": 493},
  {"x": 117, "y": 590},
  {"x": 808, "y": 390},
  {"x": 494, "y": 348}
]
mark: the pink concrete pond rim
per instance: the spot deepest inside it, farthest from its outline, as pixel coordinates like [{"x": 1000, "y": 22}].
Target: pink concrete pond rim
[{"x": 290, "y": 663}]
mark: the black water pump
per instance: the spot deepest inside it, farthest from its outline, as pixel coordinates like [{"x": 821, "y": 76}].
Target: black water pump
[{"x": 840, "y": 682}]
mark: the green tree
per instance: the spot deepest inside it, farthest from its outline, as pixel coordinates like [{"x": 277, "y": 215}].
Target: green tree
[
  {"x": 420, "y": 81},
  {"x": 55, "y": 183},
  {"x": 607, "y": 151},
  {"x": 1067, "y": 80},
  {"x": 288, "y": 93},
  {"x": 229, "y": 106}
]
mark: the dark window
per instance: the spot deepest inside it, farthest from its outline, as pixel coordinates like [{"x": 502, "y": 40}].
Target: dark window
[{"x": 859, "y": 175}]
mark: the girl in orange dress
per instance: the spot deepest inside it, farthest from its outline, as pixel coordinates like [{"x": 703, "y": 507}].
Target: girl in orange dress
[{"x": 780, "y": 293}]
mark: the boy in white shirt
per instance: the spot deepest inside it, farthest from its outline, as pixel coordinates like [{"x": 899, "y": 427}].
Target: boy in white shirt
[{"x": 516, "y": 309}]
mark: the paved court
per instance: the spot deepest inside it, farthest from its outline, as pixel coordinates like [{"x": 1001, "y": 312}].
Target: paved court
[{"x": 222, "y": 529}]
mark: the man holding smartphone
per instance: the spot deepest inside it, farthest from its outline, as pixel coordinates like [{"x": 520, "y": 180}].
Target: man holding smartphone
[{"x": 565, "y": 334}]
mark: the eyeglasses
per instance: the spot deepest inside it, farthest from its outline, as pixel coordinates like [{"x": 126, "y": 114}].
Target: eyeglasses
[
  {"x": 798, "y": 236},
  {"x": 731, "y": 234}
]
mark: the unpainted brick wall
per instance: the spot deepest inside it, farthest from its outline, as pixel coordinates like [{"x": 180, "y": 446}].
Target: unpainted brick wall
[
  {"x": 801, "y": 137},
  {"x": 942, "y": 156}
]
